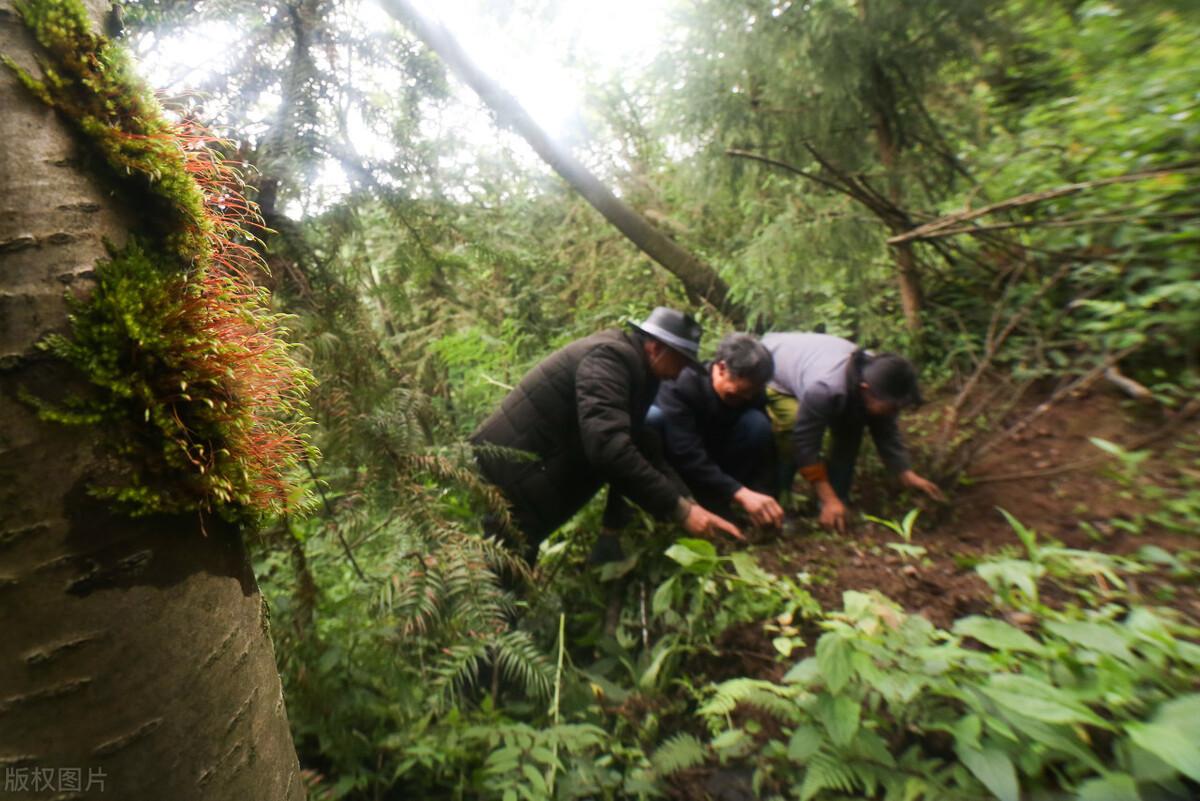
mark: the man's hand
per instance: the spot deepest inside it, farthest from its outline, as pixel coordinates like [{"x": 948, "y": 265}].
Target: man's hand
[
  {"x": 701, "y": 521},
  {"x": 833, "y": 515},
  {"x": 763, "y": 509},
  {"x": 833, "y": 511},
  {"x": 910, "y": 479}
]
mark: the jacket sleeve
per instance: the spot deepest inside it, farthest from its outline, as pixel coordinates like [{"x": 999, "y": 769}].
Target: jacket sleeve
[
  {"x": 602, "y": 397},
  {"x": 886, "y": 433},
  {"x": 815, "y": 414},
  {"x": 685, "y": 444}
]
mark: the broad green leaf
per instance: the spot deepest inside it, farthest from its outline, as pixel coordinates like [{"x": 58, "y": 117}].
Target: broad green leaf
[
  {"x": 840, "y": 714},
  {"x": 835, "y": 656},
  {"x": 748, "y": 569},
  {"x": 663, "y": 596},
  {"x": 696, "y": 556},
  {"x": 535, "y": 778},
  {"x": 994, "y": 770},
  {"x": 1113, "y": 787},
  {"x": 1095, "y": 636},
  {"x": 805, "y": 672},
  {"x": 966, "y": 733},
  {"x": 1060, "y": 738},
  {"x": 1169, "y": 744},
  {"x": 1183, "y": 713},
  {"x": 805, "y": 742},
  {"x": 996, "y": 634},
  {"x": 1040, "y": 701}
]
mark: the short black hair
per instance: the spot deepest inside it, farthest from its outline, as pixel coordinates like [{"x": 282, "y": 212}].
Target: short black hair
[
  {"x": 745, "y": 357},
  {"x": 893, "y": 378}
]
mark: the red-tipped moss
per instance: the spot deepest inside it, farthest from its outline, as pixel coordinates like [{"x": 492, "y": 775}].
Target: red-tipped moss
[{"x": 194, "y": 381}]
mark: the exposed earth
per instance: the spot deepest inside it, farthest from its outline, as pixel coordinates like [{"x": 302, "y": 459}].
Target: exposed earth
[{"x": 1071, "y": 493}]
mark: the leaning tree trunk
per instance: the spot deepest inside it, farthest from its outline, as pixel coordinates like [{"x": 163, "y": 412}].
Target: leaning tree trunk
[
  {"x": 699, "y": 279},
  {"x": 136, "y": 657},
  {"x": 907, "y": 274}
]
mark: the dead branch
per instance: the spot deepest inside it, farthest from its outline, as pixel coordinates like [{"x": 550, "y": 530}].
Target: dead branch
[
  {"x": 1067, "y": 222},
  {"x": 937, "y": 227},
  {"x": 993, "y": 343},
  {"x": 1081, "y": 383}
]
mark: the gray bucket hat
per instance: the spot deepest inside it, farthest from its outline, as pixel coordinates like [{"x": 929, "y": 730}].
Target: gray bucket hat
[{"x": 675, "y": 329}]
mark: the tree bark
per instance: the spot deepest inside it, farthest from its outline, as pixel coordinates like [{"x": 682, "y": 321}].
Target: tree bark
[
  {"x": 907, "y": 274},
  {"x": 699, "y": 279},
  {"x": 136, "y": 655}
]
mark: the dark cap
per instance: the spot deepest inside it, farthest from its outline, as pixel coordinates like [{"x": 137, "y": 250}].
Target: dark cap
[
  {"x": 674, "y": 329},
  {"x": 893, "y": 379}
]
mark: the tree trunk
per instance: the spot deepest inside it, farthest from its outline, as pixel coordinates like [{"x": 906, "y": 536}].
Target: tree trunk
[
  {"x": 906, "y": 261},
  {"x": 699, "y": 279},
  {"x": 136, "y": 662}
]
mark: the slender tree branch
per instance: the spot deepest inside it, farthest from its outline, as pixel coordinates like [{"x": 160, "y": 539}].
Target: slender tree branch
[{"x": 935, "y": 228}]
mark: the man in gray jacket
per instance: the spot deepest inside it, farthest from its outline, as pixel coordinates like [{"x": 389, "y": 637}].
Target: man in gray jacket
[{"x": 826, "y": 383}]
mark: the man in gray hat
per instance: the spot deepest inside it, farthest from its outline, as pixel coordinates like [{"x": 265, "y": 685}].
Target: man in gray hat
[{"x": 580, "y": 414}]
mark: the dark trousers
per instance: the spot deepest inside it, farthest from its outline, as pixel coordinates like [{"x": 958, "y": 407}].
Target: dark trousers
[
  {"x": 843, "y": 456},
  {"x": 744, "y": 450}
]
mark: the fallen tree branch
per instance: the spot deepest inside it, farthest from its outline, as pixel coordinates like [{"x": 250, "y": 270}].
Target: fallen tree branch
[
  {"x": 1063, "y": 223},
  {"x": 937, "y": 227}
]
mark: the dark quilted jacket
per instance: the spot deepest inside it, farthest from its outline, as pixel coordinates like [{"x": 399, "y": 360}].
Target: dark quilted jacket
[{"x": 578, "y": 412}]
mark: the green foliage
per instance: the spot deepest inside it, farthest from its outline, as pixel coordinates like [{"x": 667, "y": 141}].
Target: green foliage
[
  {"x": 440, "y": 277},
  {"x": 1086, "y": 572},
  {"x": 1121, "y": 102},
  {"x": 1065, "y": 708},
  {"x": 91, "y": 81}
]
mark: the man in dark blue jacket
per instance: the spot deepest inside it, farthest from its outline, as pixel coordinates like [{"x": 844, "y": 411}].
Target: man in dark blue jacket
[{"x": 717, "y": 433}]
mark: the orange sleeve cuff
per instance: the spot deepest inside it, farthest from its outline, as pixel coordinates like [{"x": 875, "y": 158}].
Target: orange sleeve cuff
[{"x": 814, "y": 473}]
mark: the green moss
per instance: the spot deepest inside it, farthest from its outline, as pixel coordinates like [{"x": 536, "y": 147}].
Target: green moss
[
  {"x": 192, "y": 384},
  {"x": 91, "y": 81}
]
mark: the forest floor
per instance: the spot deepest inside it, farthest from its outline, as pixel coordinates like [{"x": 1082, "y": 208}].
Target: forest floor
[{"x": 1099, "y": 506}]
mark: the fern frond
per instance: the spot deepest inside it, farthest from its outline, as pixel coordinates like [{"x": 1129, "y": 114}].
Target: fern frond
[
  {"x": 825, "y": 772},
  {"x": 779, "y": 701},
  {"x": 679, "y": 753},
  {"x": 519, "y": 660}
]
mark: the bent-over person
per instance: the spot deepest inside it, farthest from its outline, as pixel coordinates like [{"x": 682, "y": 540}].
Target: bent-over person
[
  {"x": 826, "y": 383},
  {"x": 580, "y": 414}
]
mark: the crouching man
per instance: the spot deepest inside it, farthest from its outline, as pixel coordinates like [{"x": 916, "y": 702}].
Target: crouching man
[
  {"x": 581, "y": 413},
  {"x": 717, "y": 433}
]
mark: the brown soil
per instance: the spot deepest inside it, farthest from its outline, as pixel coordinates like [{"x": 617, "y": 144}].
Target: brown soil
[{"x": 943, "y": 585}]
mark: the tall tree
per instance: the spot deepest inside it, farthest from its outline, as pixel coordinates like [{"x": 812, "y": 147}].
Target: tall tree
[
  {"x": 137, "y": 653},
  {"x": 842, "y": 93},
  {"x": 699, "y": 278}
]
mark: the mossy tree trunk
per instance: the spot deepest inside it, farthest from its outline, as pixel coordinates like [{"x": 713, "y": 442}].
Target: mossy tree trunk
[{"x": 135, "y": 652}]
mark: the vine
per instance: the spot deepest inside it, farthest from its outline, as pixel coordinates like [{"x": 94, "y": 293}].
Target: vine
[{"x": 194, "y": 383}]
